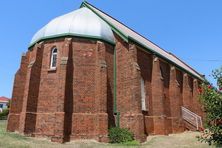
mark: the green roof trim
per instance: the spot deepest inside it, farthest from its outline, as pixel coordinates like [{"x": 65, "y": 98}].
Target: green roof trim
[
  {"x": 71, "y": 35},
  {"x": 160, "y": 56},
  {"x": 128, "y": 38},
  {"x": 116, "y": 30}
]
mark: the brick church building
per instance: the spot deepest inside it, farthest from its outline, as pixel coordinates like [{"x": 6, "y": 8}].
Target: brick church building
[{"x": 85, "y": 72}]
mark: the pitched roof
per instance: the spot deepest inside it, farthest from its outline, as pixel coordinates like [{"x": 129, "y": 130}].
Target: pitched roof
[
  {"x": 4, "y": 99},
  {"x": 130, "y": 35}
]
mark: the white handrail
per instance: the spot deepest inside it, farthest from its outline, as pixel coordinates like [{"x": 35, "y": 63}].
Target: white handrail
[
  {"x": 191, "y": 117},
  {"x": 187, "y": 110},
  {"x": 197, "y": 123}
]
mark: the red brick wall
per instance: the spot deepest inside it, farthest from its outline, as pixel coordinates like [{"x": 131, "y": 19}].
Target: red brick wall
[
  {"x": 187, "y": 91},
  {"x": 110, "y": 84},
  {"x": 175, "y": 96},
  {"x": 17, "y": 96},
  {"x": 70, "y": 99},
  {"x": 166, "y": 80},
  {"x": 159, "y": 116},
  {"x": 32, "y": 89},
  {"x": 179, "y": 78},
  {"x": 128, "y": 89},
  {"x": 90, "y": 117},
  {"x": 49, "y": 90},
  {"x": 145, "y": 64},
  {"x": 165, "y": 70},
  {"x": 122, "y": 70},
  {"x": 75, "y": 101}
]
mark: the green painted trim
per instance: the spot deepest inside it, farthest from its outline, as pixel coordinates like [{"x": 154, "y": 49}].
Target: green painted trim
[
  {"x": 147, "y": 49},
  {"x": 115, "y": 112},
  {"x": 118, "y": 119},
  {"x": 82, "y": 5},
  {"x": 127, "y": 38},
  {"x": 114, "y": 73},
  {"x": 116, "y": 30},
  {"x": 71, "y": 35}
]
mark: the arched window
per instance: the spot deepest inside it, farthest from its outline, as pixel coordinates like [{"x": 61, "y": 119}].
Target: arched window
[
  {"x": 53, "y": 58},
  {"x": 143, "y": 94}
]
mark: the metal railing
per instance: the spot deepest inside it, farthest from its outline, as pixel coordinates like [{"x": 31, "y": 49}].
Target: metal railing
[{"x": 192, "y": 118}]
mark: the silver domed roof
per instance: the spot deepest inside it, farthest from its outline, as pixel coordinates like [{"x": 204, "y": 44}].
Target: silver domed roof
[{"x": 82, "y": 22}]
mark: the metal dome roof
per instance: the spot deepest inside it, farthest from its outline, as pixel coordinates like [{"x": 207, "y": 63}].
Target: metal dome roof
[{"x": 82, "y": 22}]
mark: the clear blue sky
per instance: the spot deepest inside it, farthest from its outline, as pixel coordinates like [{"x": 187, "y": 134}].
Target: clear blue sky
[{"x": 191, "y": 29}]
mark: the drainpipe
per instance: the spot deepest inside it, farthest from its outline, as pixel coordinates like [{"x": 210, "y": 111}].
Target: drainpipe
[{"x": 116, "y": 113}]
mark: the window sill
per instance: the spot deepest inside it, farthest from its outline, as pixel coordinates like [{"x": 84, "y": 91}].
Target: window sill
[{"x": 52, "y": 70}]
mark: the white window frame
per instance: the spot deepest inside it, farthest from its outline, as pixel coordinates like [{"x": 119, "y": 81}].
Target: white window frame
[
  {"x": 53, "y": 53},
  {"x": 143, "y": 94}
]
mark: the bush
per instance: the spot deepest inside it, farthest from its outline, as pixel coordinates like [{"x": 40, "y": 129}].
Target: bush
[
  {"x": 4, "y": 114},
  {"x": 211, "y": 98},
  {"x": 120, "y": 135}
]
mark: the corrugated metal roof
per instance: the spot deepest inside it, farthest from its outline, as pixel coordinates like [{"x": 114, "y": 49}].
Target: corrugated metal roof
[
  {"x": 142, "y": 40},
  {"x": 81, "y": 22}
]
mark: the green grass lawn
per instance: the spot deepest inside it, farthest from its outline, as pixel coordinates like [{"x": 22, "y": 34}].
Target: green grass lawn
[{"x": 13, "y": 140}]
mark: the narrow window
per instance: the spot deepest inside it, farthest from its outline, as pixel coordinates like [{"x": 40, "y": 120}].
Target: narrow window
[
  {"x": 53, "y": 58},
  {"x": 161, "y": 72},
  {"x": 143, "y": 94}
]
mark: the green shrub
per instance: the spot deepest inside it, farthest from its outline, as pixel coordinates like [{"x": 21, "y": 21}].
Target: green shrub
[
  {"x": 4, "y": 114},
  {"x": 211, "y": 98},
  {"x": 120, "y": 135}
]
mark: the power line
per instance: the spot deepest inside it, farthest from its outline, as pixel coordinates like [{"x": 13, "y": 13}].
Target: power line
[{"x": 203, "y": 60}]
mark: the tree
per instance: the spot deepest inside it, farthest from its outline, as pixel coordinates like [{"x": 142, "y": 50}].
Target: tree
[{"x": 211, "y": 98}]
